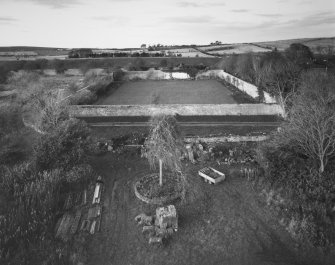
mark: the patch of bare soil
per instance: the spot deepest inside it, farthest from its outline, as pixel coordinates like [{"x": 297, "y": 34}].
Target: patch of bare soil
[{"x": 221, "y": 224}]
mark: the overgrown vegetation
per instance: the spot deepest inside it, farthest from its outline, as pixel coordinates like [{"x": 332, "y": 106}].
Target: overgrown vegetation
[
  {"x": 276, "y": 73},
  {"x": 38, "y": 100},
  {"x": 34, "y": 192},
  {"x": 299, "y": 161},
  {"x": 36, "y": 173}
]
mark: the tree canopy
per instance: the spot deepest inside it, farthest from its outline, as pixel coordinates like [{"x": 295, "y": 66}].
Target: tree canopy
[
  {"x": 164, "y": 142},
  {"x": 310, "y": 127}
]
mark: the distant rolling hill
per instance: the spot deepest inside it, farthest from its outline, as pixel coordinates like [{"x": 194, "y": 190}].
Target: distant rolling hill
[{"x": 315, "y": 44}]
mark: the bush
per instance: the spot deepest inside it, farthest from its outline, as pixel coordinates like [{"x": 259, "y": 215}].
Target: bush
[
  {"x": 84, "y": 98},
  {"x": 21, "y": 79},
  {"x": 60, "y": 66},
  {"x": 163, "y": 63},
  {"x": 118, "y": 75},
  {"x": 64, "y": 147},
  {"x": 97, "y": 83},
  {"x": 81, "y": 173},
  {"x": 10, "y": 120},
  {"x": 192, "y": 71},
  {"x": 309, "y": 197}
]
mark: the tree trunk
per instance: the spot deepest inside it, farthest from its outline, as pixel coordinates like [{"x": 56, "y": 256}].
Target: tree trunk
[
  {"x": 160, "y": 173},
  {"x": 322, "y": 166}
]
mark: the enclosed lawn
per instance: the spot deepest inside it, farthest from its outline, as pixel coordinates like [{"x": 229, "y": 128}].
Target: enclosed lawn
[{"x": 169, "y": 92}]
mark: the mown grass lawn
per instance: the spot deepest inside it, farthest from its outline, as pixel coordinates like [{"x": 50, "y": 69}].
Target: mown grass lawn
[{"x": 169, "y": 92}]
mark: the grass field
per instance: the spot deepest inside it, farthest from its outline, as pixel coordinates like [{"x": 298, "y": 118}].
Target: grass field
[
  {"x": 169, "y": 92},
  {"x": 233, "y": 49},
  {"x": 312, "y": 43}
]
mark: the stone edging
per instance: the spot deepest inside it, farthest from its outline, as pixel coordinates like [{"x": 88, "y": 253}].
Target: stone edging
[{"x": 159, "y": 201}]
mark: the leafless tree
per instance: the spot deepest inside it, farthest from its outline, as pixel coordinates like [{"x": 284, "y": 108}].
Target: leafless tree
[
  {"x": 311, "y": 121},
  {"x": 258, "y": 71},
  {"x": 51, "y": 112},
  {"x": 281, "y": 80},
  {"x": 163, "y": 144},
  {"x": 38, "y": 100}
]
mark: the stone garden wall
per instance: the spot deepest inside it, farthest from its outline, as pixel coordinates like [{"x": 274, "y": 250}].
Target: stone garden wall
[
  {"x": 244, "y": 86},
  {"x": 172, "y": 109},
  {"x": 152, "y": 74}
]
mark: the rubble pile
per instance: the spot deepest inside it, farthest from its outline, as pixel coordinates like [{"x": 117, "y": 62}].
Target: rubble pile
[
  {"x": 225, "y": 153},
  {"x": 120, "y": 143},
  {"x": 160, "y": 226}
]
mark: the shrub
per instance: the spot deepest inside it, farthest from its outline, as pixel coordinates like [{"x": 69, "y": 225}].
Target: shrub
[
  {"x": 163, "y": 63},
  {"x": 73, "y": 87},
  {"x": 310, "y": 198},
  {"x": 79, "y": 173},
  {"x": 64, "y": 147},
  {"x": 191, "y": 71},
  {"x": 21, "y": 79},
  {"x": 85, "y": 97},
  {"x": 118, "y": 75},
  {"x": 60, "y": 66},
  {"x": 10, "y": 120},
  {"x": 97, "y": 83}
]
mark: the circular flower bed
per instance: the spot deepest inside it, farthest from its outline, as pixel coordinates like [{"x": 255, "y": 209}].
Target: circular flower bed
[{"x": 148, "y": 189}]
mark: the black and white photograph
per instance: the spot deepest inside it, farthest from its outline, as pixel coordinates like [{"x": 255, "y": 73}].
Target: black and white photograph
[{"x": 178, "y": 132}]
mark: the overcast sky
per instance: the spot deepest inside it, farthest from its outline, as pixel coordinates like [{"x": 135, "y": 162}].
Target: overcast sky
[{"x": 129, "y": 23}]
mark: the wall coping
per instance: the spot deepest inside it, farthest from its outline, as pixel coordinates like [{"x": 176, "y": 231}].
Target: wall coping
[{"x": 172, "y": 109}]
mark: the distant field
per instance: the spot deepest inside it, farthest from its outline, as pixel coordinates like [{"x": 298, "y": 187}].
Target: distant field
[
  {"x": 169, "y": 92},
  {"x": 188, "y": 52},
  {"x": 312, "y": 43},
  {"x": 233, "y": 48}
]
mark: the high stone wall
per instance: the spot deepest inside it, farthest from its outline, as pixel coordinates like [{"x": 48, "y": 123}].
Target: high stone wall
[
  {"x": 172, "y": 109},
  {"x": 244, "y": 86},
  {"x": 152, "y": 74}
]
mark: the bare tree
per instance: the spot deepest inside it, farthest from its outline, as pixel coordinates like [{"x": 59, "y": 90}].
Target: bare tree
[
  {"x": 257, "y": 70},
  {"x": 163, "y": 144},
  {"x": 311, "y": 122},
  {"x": 281, "y": 80},
  {"x": 244, "y": 66},
  {"x": 51, "y": 111},
  {"x": 38, "y": 100}
]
